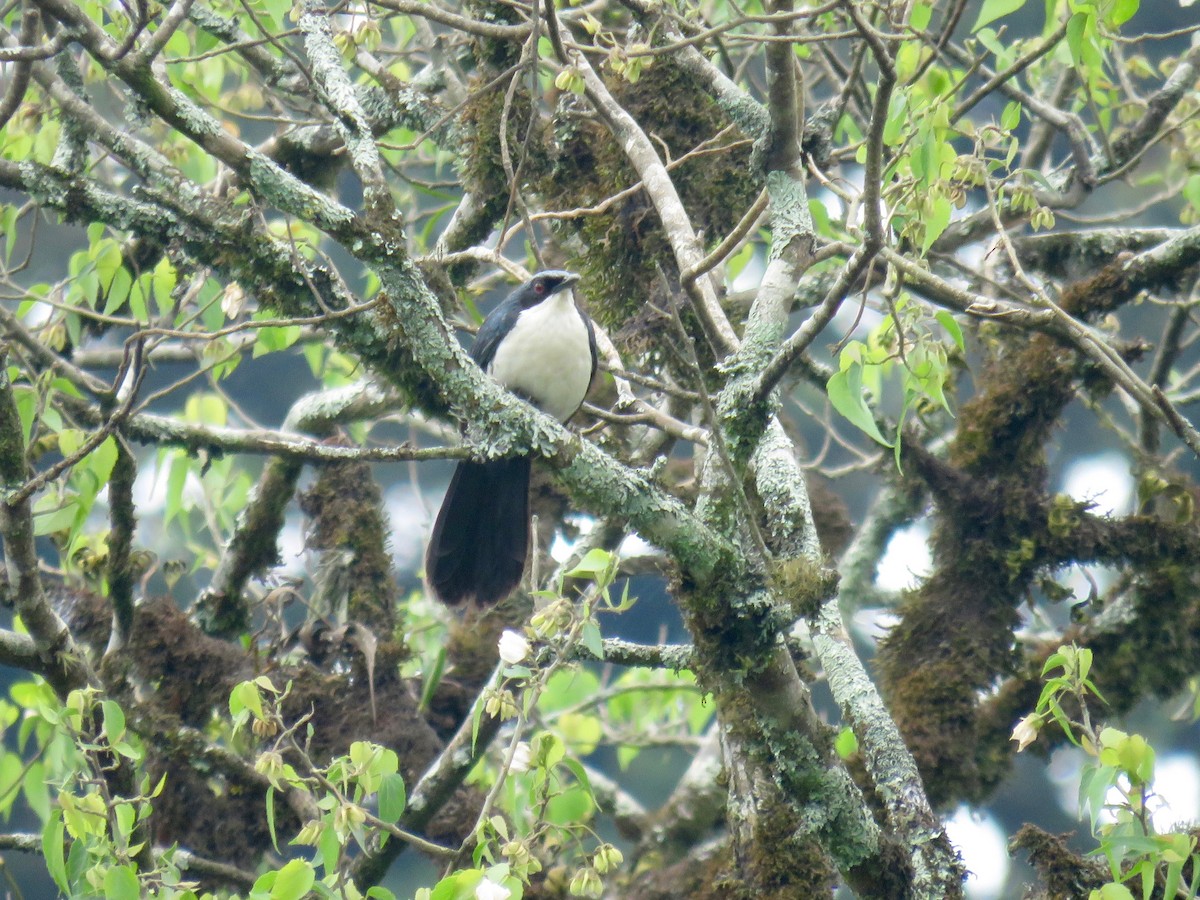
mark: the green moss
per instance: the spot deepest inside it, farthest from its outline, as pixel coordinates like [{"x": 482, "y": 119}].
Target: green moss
[
  {"x": 785, "y": 862},
  {"x": 1159, "y": 648},
  {"x": 345, "y": 507},
  {"x": 1064, "y": 517},
  {"x": 994, "y": 532},
  {"x": 744, "y": 418},
  {"x": 623, "y": 248},
  {"x": 803, "y": 584}
]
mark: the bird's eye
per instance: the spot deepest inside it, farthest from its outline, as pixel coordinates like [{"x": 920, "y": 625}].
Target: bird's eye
[{"x": 539, "y": 288}]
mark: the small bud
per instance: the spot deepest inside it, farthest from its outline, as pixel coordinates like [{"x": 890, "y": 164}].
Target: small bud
[
  {"x": 515, "y": 852},
  {"x": 500, "y": 704},
  {"x": 310, "y": 834},
  {"x": 552, "y": 619},
  {"x": 347, "y": 817},
  {"x": 586, "y": 883},
  {"x": 607, "y": 858},
  {"x": 270, "y": 764}
]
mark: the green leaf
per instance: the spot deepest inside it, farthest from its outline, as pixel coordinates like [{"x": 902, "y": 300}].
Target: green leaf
[
  {"x": 1084, "y": 659},
  {"x": 392, "y": 797},
  {"x": 741, "y": 259},
  {"x": 118, "y": 290},
  {"x": 595, "y": 563},
  {"x": 8, "y": 225},
  {"x": 582, "y": 731},
  {"x": 162, "y": 285},
  {"x": 1137, "y": 759},
  {"x": 37, "y": 794},
  {"x": 78, "y": 863},
  {"x": 271, "y": 816},
  {"x": 920, "y": 16},
  {"x": 245, "y": 696},
  {"x": 846, "y": 744},
  {"x": 294, "y": 880},
  {"x": 139, "y": 294},
  {"x": 908, "y": 60},
  {"x": 27, "y": 404},
  {"x": 1076, "y": 27},
  {"x": 206, "y": 409},
  {"x": 570, "y": 807},
  {"x": 121, "y": 883},
  {"x": 106, "y": 254},
  {"x": 275, "y": 338},
  {"x": 329, "y": 848},
  {"x": 625, "y": 755},
  {"x": 126, "y": 817},
  {"x": 362, "y": 753},
  {"x": 461, "y": 885},
  {"x": 11, "y": 774},
  {"x": 176, "y": 481},
  {"x": 476, "y": 719},
  {"x": 1054, "y": 661},
  {"x": 820, "y": 217},
  {"x": 114, "y": 720},
  {"x": 548, "y": 750},
  {"x": 1011, "y": 117},
  {"x": 264, "y": 682},
  {"x": 33, "y": 695},
  {"x": 567, "y": 688},
  {"x": 1119, "y": 13},
  {"x": 1191, "y": 191},
  {"x": 263, "y": 884},
  {"x": 1081, "y": 30},
  {"x": 576, "y": 768},
  {"x": 592, "y": 639},
  {"x": 52, "y": 851},
  {"x": 991, "y": 10},
  {"x": 845, "y": 391},
  {"x": 897, "y": 119},
  {"x": 1094, "y": 785},
  {"x": 948, "y": 322},
  {"x": 937, "y": 217},
  {"x": 434, "y": 677},
  {"x": 49, "y": 517},
  {"x": 1173, "y": 878}
]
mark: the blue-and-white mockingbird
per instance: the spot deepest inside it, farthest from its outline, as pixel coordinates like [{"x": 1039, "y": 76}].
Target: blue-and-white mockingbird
[{"x": 539, "y": 345}]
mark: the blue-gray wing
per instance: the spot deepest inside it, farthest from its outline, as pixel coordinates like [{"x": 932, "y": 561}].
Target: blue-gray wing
[
  {"x": 498, "y": 323},
  {"x": 587, "y": 320}
]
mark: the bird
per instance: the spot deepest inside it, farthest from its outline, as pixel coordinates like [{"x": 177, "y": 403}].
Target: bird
[{"x": 538, "y": 344}]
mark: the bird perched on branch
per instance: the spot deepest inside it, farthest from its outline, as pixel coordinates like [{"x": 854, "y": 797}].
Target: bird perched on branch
[{"x": 539, "y": 345}]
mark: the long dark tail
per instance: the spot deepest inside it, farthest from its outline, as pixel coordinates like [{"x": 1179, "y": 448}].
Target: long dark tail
[{"x": 481, "y": 536}]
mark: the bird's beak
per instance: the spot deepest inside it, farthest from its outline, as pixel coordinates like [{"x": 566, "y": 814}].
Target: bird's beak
[{"x": 569, "y": 279}]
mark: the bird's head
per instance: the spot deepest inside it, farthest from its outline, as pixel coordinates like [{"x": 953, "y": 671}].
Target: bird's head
[{"x": 545, "y": 284}]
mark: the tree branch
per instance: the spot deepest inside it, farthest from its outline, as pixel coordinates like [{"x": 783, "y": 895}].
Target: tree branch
[
  {"x": 661, "y": 190},
  {"x": 52, "y": 641}
]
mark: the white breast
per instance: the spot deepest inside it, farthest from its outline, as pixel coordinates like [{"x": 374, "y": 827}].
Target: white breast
[{"x": 546, "y": 356}]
